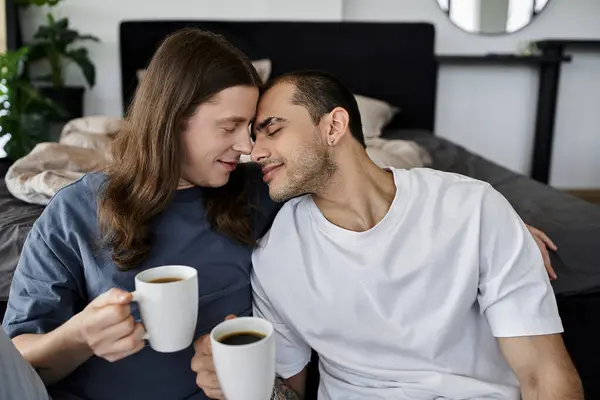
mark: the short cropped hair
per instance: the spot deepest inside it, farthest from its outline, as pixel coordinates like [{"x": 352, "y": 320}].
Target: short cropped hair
[{"x": 320, "y": 92}]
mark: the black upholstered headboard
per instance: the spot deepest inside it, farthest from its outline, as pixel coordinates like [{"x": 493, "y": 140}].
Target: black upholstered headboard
[{"x": 394, "y": 62}]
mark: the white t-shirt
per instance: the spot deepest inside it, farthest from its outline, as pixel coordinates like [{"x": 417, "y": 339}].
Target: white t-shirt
[{"x": 408, "y": 309}]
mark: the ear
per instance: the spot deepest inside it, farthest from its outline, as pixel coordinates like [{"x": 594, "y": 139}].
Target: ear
[{"x": 336, "y": 125}]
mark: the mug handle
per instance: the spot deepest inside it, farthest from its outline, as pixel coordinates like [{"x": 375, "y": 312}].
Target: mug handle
[{"x": 137, "y": 298}]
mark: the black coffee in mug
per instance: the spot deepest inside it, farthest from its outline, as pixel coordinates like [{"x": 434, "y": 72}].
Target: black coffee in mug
[
  {"x": 241, "y": 338},
  {"x": 165, "y": 280}
]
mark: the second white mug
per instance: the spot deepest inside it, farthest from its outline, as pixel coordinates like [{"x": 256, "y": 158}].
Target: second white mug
[{"x": 244, "y": 356}]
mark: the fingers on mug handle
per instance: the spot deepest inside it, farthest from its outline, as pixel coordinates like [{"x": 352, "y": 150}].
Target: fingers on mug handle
[
  {"x": 145, "y": 335},
  {"x": 112, "y": 296},
  {"x": 135, "y": 296}
]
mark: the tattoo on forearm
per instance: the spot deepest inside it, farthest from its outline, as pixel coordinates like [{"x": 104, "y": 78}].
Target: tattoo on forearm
[{"x": 281, "y": 391}]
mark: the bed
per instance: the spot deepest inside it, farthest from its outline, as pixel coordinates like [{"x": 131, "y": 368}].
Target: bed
[
  {"x": 16, "y": 219},
  {"x": 395, "y": 62}
]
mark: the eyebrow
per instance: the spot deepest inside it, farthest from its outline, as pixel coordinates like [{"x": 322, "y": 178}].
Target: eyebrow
[
  {"x": 269, "y": 121},
  {"x": 235, "y": 119}
]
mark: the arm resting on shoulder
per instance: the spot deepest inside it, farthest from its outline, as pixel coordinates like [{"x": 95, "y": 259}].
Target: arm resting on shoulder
[
  {"x": 292, "y": 388},
  {"x": 543, "y": 367}
]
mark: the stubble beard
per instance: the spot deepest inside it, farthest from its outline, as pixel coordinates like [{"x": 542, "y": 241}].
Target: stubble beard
[{"x": 310, "y": 173}]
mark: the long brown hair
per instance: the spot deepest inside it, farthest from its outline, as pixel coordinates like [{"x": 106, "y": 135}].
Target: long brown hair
[{"x": 189, "y": 68}]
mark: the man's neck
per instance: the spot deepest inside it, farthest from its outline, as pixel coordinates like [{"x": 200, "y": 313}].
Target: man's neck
[{"x": 359, "y": 193}]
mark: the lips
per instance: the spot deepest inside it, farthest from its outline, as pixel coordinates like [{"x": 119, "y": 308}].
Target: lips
[
  {"x": 229, "y": 165},
  {"x": 269, "y": 172}
]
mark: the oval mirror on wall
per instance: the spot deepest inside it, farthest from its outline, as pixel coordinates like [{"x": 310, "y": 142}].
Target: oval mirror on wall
[{"x": 492, "y": 17}]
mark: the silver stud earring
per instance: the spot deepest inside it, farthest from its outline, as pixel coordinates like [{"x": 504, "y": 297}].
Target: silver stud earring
[{"x": 332, "y": 140}]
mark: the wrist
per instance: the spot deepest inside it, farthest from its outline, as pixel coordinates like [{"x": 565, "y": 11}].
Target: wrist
[
  {"x": 47, "y": 350},
  {"x": 73, "y": 337}
]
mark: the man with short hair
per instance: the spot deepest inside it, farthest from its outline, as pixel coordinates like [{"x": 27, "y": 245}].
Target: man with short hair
[{"x": 410, "y": 284}]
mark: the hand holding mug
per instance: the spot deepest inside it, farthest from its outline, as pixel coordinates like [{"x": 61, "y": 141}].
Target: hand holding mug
[
  {"x": 168, "y": 301},
  {"x": 204, "y": 367},
  {"x": 107, "y": 327},
  {"x": 243, "y": 350}
]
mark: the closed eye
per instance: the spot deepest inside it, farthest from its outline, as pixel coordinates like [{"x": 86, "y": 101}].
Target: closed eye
[
  {"x": 274, "y": 132},
  {"x": 229, "y": 130}
]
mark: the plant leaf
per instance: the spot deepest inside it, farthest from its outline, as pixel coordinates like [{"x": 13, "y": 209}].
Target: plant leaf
[
  {"x": 13, "y": 148},
  {"x": 38, "y": 99},
  {"x": 88, "y": 37},
  {"x": 66, "y": 37},
  {"x": 80, "y": 56},
  {"x": 25, "y": 111},
  {"x": 61, "y": 24},
  {"x": 11, "y": 63},
  {"x": 44, "y": 32},
  {"x": 26, "y": 133},
  {"x": 37, "y": 51}
]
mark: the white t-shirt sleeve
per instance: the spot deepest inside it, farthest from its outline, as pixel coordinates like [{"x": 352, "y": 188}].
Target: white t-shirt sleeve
[
  {"x": 514, "y": 289},
  {"x": 292, "y": 353}
]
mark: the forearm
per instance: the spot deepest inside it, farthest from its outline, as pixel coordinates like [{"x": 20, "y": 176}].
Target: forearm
[
  {"x": 554, "y": 387},
  {"x": 552, "y": 393},
  {"x": 54, "y": 355},
  {"x": 282, "y": 391}
]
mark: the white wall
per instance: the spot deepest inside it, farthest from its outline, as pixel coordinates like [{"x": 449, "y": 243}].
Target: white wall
[
  {"x": 488, "y": 109},
  {"x": 491, "y": 110},
  {"x": 102, "y": 17}
]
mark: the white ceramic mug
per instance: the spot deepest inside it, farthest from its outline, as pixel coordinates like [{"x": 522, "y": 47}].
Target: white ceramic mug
[
  {"x": 245, "y": 372},
  {"x": 169, "y": 310}
]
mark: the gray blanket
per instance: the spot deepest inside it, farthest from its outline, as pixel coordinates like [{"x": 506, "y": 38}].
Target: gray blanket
[{"x": 16, "y": 219}]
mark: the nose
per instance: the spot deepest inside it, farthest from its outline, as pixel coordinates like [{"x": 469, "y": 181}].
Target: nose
[
  {"x": 259, "y": 151},
  {"x": 242, "y": 143}
]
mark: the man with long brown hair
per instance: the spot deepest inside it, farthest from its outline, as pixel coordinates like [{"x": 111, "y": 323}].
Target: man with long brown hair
[{"x": 174, "y": 195}]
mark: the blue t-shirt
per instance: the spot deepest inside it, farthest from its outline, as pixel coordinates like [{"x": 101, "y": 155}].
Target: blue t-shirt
[{"x": 62, "y": 268}]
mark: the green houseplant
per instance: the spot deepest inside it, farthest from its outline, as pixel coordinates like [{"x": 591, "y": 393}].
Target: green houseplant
[
  {"x": 24, "y": 111},
  {"x": 55, "y": 44}
]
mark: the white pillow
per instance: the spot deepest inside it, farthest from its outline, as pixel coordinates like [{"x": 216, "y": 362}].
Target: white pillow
[
  {"x": 263, "y": 67},
  {"x": 375, "y": 115}
]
